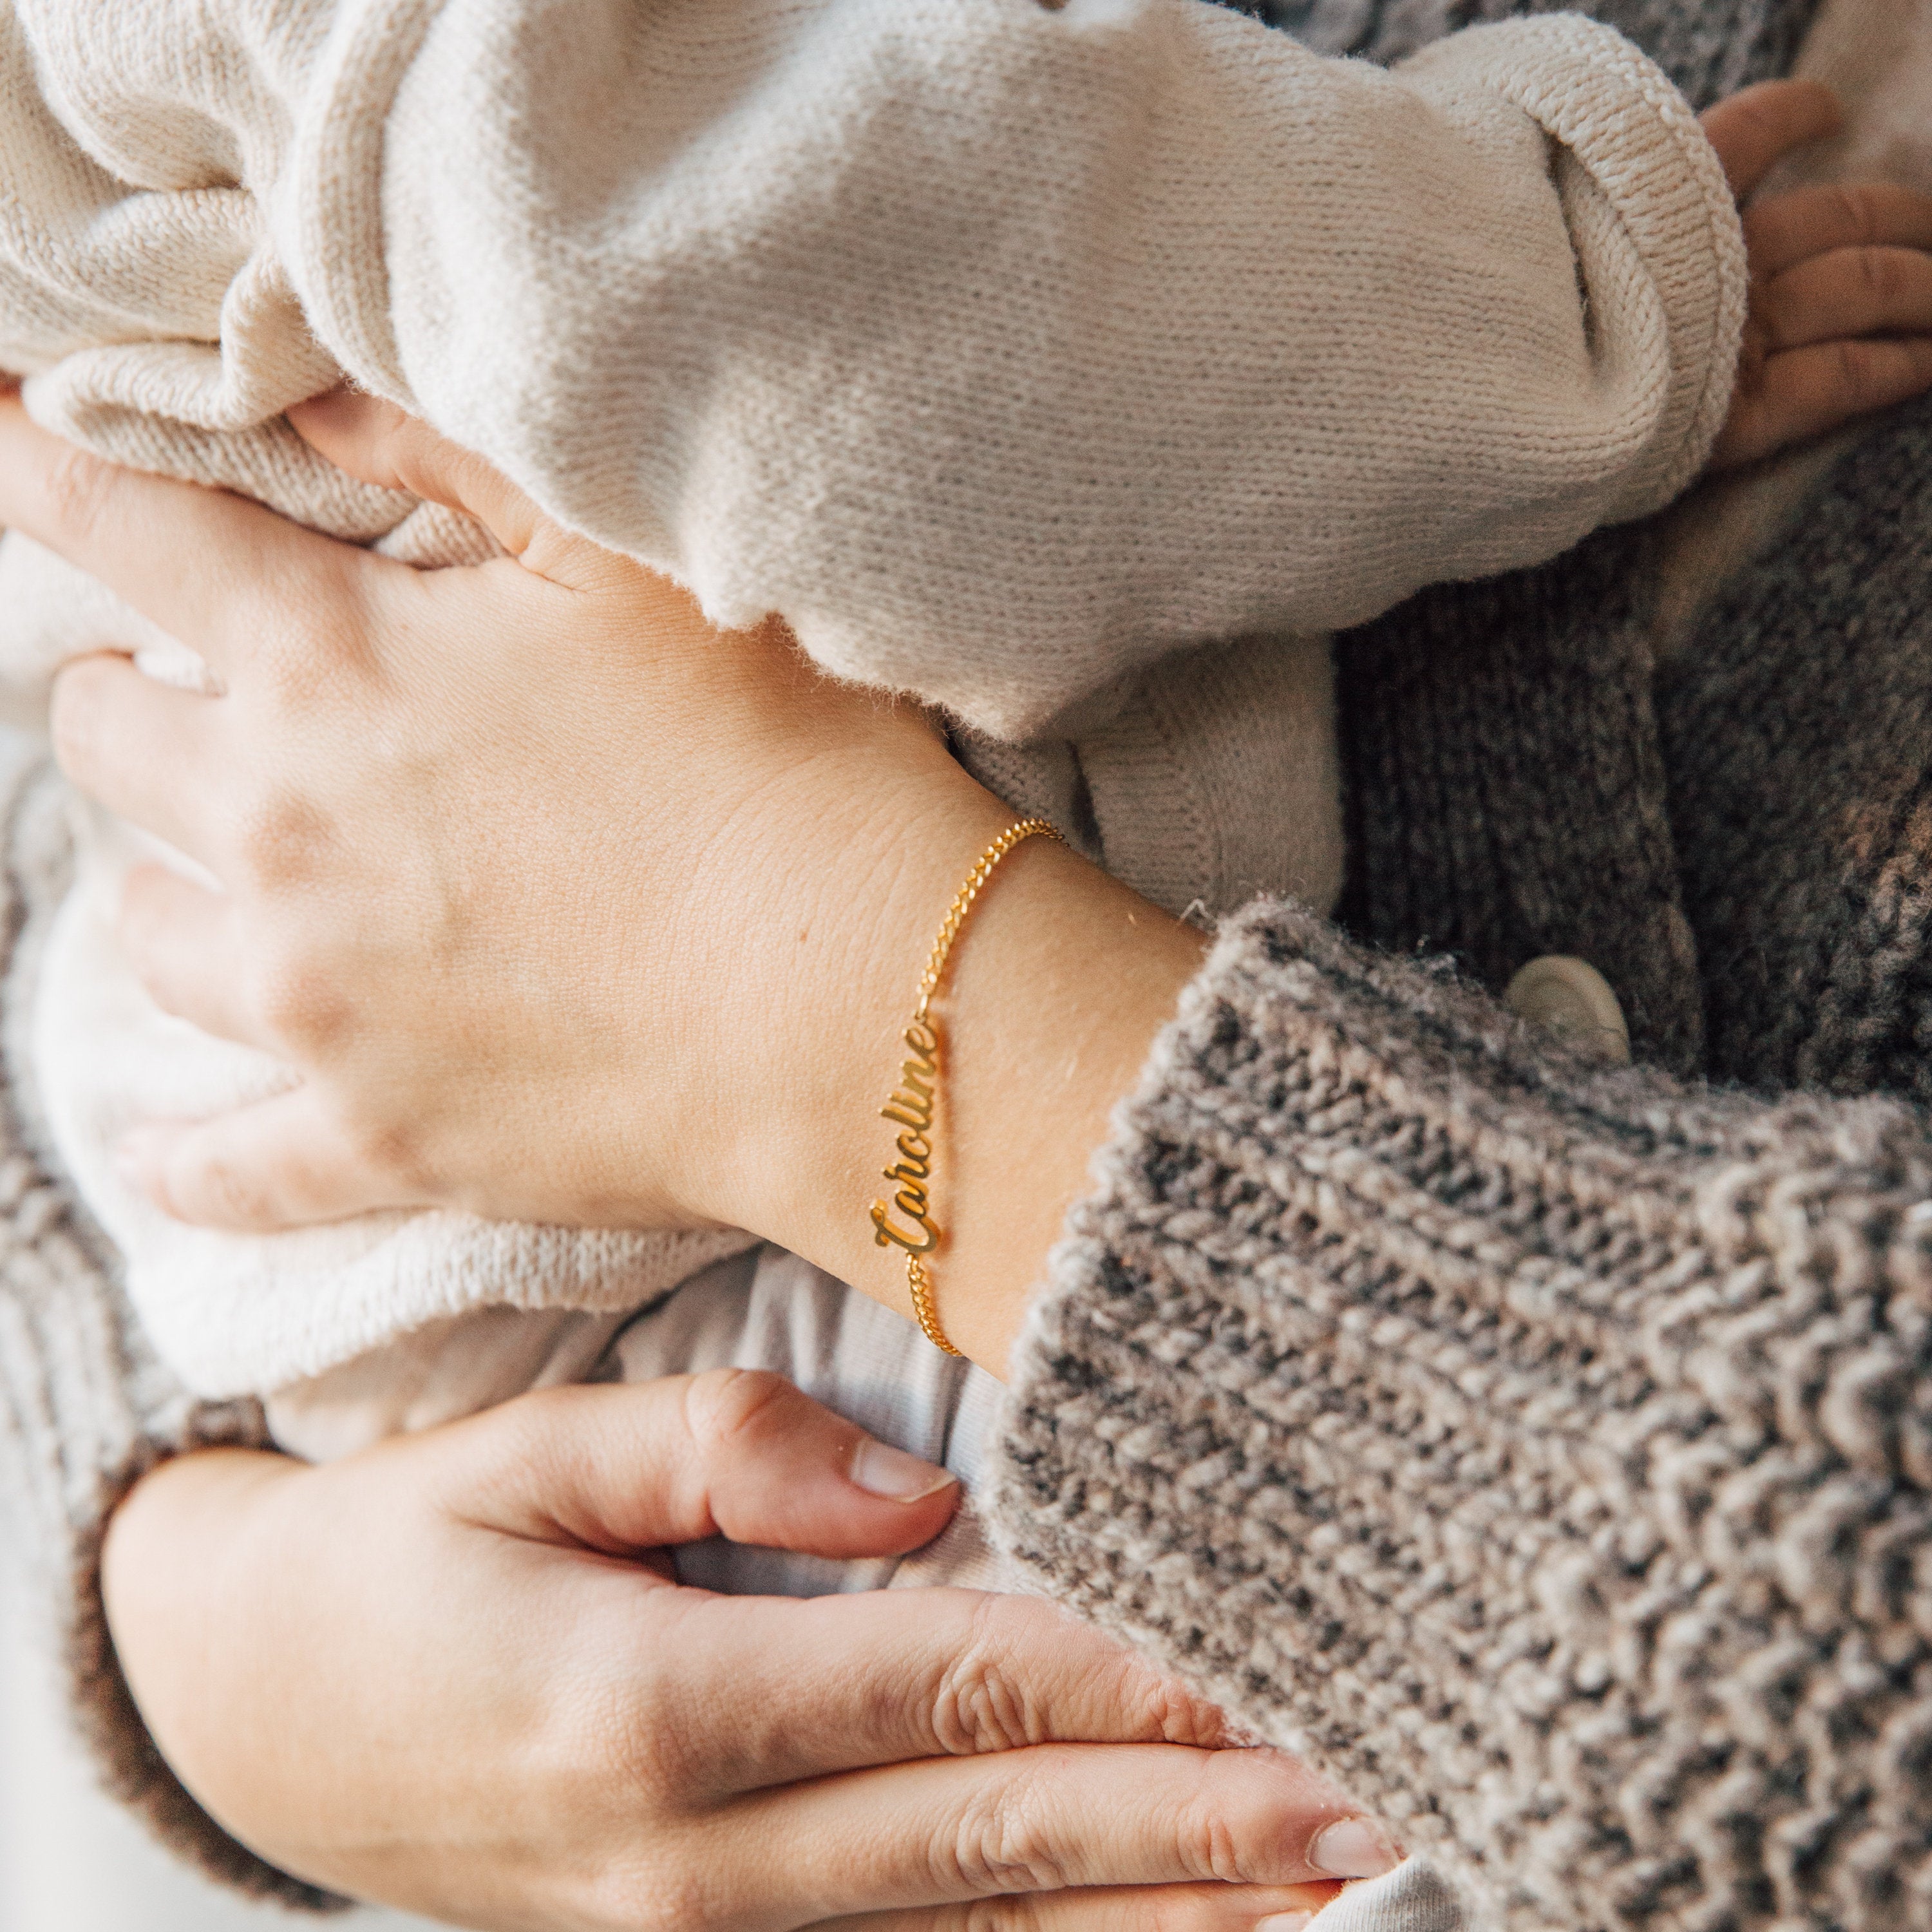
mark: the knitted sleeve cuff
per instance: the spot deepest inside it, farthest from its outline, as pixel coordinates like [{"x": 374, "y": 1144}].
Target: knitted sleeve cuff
[
  {"x": 74, "y": 1390},
  {"x": 1543, "y": 1450},
  {"x": 1656, "y": 229}
]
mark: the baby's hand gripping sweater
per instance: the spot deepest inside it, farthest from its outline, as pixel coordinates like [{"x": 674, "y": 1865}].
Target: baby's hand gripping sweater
[
  {"x": 999, "y": 346},
  {"x": 1546, "y": 1451}
]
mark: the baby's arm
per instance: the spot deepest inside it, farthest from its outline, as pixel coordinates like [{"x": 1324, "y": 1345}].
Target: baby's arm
[
  {"x": 1000, "y": 348},
  {"x": 996, "y": 345}
]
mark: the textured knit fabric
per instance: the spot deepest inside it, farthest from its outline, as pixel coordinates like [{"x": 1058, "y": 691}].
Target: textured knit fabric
[
  {"x": 1506, "y": 786},
  {"x": 747, "y": 244},
  {"x": 1789, "y": 916},
  {"x": 1546, "y": 1452},
  {"x": 1388, "y": 1007},
  {"x": 1796, "y": 738},
  {"x": 1710, "y": 50},
  {"x": 1806, "y": 883},
  {"x": 1506, "y": 797}
]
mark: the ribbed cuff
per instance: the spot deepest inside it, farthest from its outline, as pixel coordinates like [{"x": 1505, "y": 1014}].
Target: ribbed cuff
[{"x": 1607, "y": 105}]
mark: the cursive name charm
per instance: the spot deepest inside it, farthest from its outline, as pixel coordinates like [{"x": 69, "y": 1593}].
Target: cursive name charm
[
  {"x": 905, "y": 1222},
  {"x": 911, "y": 1108}
]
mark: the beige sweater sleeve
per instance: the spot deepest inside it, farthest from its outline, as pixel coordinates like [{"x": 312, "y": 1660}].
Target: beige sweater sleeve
[{"x": 999, "y": 347}]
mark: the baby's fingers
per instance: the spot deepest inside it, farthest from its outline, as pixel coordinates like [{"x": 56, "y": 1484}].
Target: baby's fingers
[
  {"x": 284, "y": 1162},
  {"x": 1800, "y": 393},
  {"x": 1787, "y": 229},
  {"x": 1850, "y": 292},
  {"x": 1754, "y": 131}
]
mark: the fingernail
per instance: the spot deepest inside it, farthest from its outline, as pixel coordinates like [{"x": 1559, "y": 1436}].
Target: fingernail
[
  {"x": 1353, "y": 1848},
  {"x": 1283, "y": 1922},
  {"x": 883, "y": 1470}
]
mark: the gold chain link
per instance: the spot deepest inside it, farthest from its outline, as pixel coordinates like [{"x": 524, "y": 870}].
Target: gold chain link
[
  {"x": 962, "y": 901},
  {"x": 914, "y": 1102},
  {"x": 920, "y": 1282}
]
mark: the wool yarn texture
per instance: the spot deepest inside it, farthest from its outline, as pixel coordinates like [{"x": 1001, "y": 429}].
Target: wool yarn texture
[{"x": 1545, "y": 1453}]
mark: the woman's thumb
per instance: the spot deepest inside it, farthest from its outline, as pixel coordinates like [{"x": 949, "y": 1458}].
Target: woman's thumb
[
  {"x": 376, "y": 443},
  {"x": 736, "y": 1453}
]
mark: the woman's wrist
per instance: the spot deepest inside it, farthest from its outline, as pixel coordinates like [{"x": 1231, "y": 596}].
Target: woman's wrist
[
  {"x": 168, "y": 1547},
  {"x": 1057, "y": 987},
  {"x": 684, "y": 1001},
  {"x": 1056, "y": 996}
]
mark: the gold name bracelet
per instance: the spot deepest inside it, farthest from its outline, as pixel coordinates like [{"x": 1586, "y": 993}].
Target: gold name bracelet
[{"x": 915, "y": 1099}]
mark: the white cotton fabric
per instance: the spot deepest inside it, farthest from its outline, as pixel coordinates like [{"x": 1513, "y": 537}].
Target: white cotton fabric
[{"x": 1004, "y": 350}]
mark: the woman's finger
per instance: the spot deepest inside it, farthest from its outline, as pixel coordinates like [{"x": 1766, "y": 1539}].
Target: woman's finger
[
  {"x": 1851, "y": 292},
  {"x": 1754, "y": 131},
  {"x": 739, "y": 1452},
  {"x": 184, "y": 943},
  {"x": 283, "y": 1162},
  {"x": 214, "y": 570},
  {"x": 126, "y": 739},
  {"x": 1045, "y": 1819},
  {"x": 837, "y": 1683},
  {"x": 1805, "y": 392},
  {"x": 1788, "y": 229},
  {"x": 1167, "y": 1908},
  {"x": 381, "y": 444},
  {"x": 827, "y": 1684}
]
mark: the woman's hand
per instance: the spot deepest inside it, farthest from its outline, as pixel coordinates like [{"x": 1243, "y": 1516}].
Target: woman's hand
[
  {"x": 567, "y": 906},
  {"x": 536, "y": 876},
  {"x": 1840, "y": 319},
  {"x": 447, "y": 1676}
]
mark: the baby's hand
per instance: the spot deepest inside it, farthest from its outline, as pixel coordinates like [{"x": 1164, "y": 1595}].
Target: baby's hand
[{"x": 1840, "y": 319}]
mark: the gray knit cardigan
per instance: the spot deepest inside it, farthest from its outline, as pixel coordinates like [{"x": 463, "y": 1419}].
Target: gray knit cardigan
[{"x": 1545, "y": 1451}]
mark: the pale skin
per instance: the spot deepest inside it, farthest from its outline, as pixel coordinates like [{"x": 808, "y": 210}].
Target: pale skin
[
  {"x": 568, "y": 1796},
  {"x": 398, "y": 791}
]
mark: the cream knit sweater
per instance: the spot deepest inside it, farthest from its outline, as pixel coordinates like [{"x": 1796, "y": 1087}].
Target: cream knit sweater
[{"x": 1002, "y": 348}]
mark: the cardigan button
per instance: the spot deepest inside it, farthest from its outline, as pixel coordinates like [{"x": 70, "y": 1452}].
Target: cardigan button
[{"x": 1571, "y": 999}]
